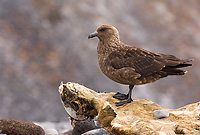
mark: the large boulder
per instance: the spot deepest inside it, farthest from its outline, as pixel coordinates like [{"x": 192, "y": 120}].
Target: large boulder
[{"x": 133, "y": 118}]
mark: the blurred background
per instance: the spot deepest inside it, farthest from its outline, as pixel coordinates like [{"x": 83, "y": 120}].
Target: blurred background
[{"x": 44, "y": 42}]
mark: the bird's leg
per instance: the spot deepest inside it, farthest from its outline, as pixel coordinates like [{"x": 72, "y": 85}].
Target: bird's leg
[
  {"x": 122, "y": 96},
  {"x": 129, "y": 97}
]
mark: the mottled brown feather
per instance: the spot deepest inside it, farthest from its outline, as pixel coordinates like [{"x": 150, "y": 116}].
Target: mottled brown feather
[
  {"x": 131, "y": 65},
  {"x": 143, "y": 63}
]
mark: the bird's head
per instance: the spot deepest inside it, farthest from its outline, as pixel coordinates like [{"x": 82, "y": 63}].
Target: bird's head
[{"x": 105, "y": 32}]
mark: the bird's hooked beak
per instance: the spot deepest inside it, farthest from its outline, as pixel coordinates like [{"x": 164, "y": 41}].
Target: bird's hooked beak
[{"x": 94, "y": 34}]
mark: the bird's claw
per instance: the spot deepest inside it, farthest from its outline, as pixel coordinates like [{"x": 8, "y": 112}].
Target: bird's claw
[
  {"x": 123, "y": 102},
  {"x": 120, "y": 96}
]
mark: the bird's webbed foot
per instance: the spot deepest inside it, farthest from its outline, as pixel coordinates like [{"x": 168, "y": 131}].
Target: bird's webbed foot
[
  {"x": 123, "y": 102},
  {"x": 120, "y": 96}
]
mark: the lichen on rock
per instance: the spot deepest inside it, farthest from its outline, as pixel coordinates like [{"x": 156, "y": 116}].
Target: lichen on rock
[{"x": 133, "y": 118}]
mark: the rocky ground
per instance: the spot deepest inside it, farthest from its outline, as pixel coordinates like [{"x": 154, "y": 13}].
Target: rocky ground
[
  {"x": 60, "y": 127},
  {"x": 97, "y": 114},
  {"x": 16, "y": 127},
  {"x": 44, "y": 42}
]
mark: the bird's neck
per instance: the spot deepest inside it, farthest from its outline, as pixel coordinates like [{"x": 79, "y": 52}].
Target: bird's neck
[{"x": 107, "y": 45}]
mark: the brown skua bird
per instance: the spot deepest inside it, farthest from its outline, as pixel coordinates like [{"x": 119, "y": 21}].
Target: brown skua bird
[{"x": 132, "y": 65}]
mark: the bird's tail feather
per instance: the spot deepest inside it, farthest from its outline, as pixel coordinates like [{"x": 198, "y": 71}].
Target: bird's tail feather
[
  {"x": 181, "y": 63},
  {"x": 174, "y": 71},
  {"x": 186, "y": 61}
]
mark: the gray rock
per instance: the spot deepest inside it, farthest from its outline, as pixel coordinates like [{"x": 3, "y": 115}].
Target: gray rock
[
  {"x": 100, "y": 131},
  {"x": 85, "y": 126},
  {"x": 161, "y": 114}
]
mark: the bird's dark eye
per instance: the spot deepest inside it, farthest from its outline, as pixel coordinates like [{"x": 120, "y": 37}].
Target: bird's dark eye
[{"x": 102, "y": 29}]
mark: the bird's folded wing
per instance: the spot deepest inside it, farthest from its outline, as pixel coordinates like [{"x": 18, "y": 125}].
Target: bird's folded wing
[{"x": 142, "y": 61}]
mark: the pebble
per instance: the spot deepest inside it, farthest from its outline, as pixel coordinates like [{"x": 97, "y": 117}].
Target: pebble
[
  {"x": 100, "y": 131},
  {"x": 51, "y": 132},
  {"x": 161, "y": 114}
]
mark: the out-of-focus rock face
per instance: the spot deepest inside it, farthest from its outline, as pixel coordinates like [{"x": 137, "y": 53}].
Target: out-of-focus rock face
[
  {"x": 43, "y": 42},
  {"x": 16, "y": 127},
  {"x": 135, "y": 118}
]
